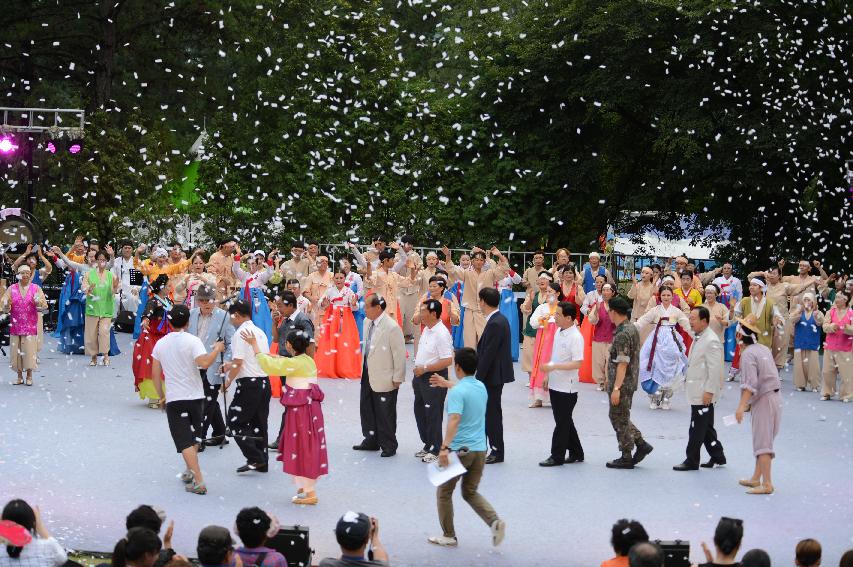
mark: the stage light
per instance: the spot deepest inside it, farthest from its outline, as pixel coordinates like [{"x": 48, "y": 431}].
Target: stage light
[
  {"x": 7, "y": 145},
  {"x": 75, "y": 148},
  {"x": 51, "y": 147}
]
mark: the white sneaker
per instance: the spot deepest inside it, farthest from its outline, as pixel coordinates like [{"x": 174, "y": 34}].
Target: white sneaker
[
  {"x": 498, "y": 531},
  {"x": 430, "y": 458},
  {"x": 443, "y": 541},
  {"x": 600, "y": 388},
  {"x": 664, "y": 405},
  {"x": 420, "y": 454}
]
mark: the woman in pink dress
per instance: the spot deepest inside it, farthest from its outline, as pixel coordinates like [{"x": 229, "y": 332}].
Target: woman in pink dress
[{"x": 302, "y": 446}]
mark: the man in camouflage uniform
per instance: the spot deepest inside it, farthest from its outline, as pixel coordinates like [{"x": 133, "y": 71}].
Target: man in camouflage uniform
[{"x": 623, "y": 370}]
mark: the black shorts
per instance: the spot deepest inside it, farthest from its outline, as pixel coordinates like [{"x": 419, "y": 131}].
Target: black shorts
[{"x": 185, "y": 417}]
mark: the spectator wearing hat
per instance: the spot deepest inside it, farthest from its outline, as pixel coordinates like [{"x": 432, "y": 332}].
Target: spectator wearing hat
[
  {"x": 254, "y": 528},
  {"x": 28, "y": 541},
  {"x": 354, "y": 532},
  {"x": 177, "y": 357},
  {"x": 215, "y": 548},
  {"x": 211, "y": 324}
]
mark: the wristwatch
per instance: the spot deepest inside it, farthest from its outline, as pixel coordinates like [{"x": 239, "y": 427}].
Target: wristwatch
[{"x": 444, "y": 449}]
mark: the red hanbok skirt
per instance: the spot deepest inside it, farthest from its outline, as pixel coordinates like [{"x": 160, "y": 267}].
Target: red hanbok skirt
[
  {"x": 143, "y": 347},
  {"x": 585, "y": 373},
  {"x": 338, "y": 345},
  {"x": 302, "y": 447}
]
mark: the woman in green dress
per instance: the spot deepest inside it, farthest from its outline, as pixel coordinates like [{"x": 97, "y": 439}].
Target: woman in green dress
[{"x": 100, "y": 285}]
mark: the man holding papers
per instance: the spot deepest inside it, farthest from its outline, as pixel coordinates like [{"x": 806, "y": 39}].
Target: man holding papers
[{"x": 466, "y": 434}]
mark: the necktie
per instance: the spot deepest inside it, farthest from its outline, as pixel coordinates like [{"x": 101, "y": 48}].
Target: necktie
[{"x": 369, "y": 338}]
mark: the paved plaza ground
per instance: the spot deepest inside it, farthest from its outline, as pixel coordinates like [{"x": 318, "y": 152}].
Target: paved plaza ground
[{"x": 81, "y": 445}]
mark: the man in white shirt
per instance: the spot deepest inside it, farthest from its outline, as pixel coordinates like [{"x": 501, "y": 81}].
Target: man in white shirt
[
  {"x": 435, "y": 355},
  {"x": 250, "y": 408},
  {"x": 561, "y": 381},
  {"x": 178, "y": 356},
  {"x": 125, "y": 299}
]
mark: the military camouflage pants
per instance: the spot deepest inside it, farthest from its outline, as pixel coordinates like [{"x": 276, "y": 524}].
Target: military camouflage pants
[{"x": 626, "y": 432}]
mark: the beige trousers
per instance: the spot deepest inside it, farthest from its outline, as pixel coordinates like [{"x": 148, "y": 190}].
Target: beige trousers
[
  {"x": 806, "y": 369},
  {"x": 838, "y": 365},
  {"x": 473, "y": 326},
  {"x": 408, "y": 305},
  {"x": 599, "y": 361},
  {"x": 96, "y": 335},
  {"x": 23, "y": 352},
  {"x": 527, "y": 348}
]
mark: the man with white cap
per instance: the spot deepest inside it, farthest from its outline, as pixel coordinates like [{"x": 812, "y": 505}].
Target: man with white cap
[
  {"x": 766, "y": 312},
  {"x": 594, "y": 269},
  {"x": 23, "y": 301}
]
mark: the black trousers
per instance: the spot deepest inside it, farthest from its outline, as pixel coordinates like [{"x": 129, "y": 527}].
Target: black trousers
[
  {"x": 212, "y": 412},
  {"x": 248, "y": 416},
  {"x": 429, "y": 410},
  {"x": 378, "y": 416},
  {"x": 565, "y": 437},
  {"x": 702, "y": 432},
  {"x": 495, "y": 419}
]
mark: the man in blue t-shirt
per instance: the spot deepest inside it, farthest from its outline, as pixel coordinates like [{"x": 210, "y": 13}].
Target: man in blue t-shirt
[{"x": 466, "y": 434}]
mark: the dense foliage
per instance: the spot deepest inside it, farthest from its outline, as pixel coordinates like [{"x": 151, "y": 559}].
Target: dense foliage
[{"x": 519, "y": 123}]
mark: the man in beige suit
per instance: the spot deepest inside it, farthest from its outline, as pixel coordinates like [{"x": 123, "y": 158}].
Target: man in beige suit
[
  {"x": 704, "y": 381},
  {"x": 384, "y": 369}
]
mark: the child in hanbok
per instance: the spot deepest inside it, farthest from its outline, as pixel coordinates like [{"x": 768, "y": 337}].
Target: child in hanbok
[{"x": 338, "y": 345}]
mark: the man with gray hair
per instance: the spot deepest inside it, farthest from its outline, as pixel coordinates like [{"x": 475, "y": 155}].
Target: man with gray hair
[
  {"x": 594, "y": 269},
  {"x": 645, "y": 554}
]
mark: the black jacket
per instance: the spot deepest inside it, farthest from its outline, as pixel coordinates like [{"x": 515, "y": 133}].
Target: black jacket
[{"x": 494, "y": 354}]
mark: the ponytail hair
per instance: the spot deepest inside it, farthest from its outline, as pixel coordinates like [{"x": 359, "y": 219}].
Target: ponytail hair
[
  {"x": 134, "y": 545},
  {"x": 21, "y": 513},
  {"x": 728, "y": 535}
]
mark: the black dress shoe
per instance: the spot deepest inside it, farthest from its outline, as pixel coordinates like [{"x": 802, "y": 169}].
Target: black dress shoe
[
  {"x": 388, "y": 453},
  {"x": 712, "y": 461},
  {"x": 216, "y": 441},
  {"x": 574, "y": 459},
  {"x": 365, "y": 447},
  {"x": 550, "y": 462},
  {"x": 685, "y": 466},
  {"x": 200, "y": 447},
  {"x": 492, "y": 459},
  {"x": 621, "y": 463},
  {"x": 257, "y": 467},
  {"x": 641, "y": 452}
]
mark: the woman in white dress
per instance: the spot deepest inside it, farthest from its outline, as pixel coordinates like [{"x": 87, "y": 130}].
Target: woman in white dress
[{"x": 663, "y": 357}]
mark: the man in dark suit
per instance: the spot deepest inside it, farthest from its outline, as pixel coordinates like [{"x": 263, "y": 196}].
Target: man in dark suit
[
  {"x": 291, "y": 320},
  {"x": 494, "y": 368}
]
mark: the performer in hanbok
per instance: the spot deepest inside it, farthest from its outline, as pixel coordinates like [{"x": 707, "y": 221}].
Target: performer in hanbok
[
  {"x": 254, "y": 282},
  {"x": 386, "y": 279},
  {"x": 663, "y": 357},
  {"x": 220, "y": 264},
  {"x": 687, "y": 293},
  {"x": 155, "y": 325},
  {"x": 449, "y": 305},
  {"x": 159, "y": 264},
  {"x": 838, "y": 350},
  {"x": 720, "y": 312},
  {"x": 544, "y": 320},
  {"x": 570, "y": 290},
  {"x": 592, "y": 270},
  {"x": 302, "y": 446},
  {"x": 807, "y": 321},
  {"x": 187, "y": 284},
  {"x": 100, "y": 285},
  {"x": 731, "y": 292},
  {"x": 338, "y": 346},
  {"x": 316, "y": 284},
  {"x": 602, "y": 334},
  {"x": 70, "y": 319},
  {"x": 23, "y": 301},
  {"x": 641, "y": 292},
  {"x": 356, "y": 284},
  {"x": 509, "y": 308},
  {"x": 32, "y": 257},
  {"x": 561, "y": 259},
  {"x": 458, "y": 290},
  {"x": 535, "y": 298}
]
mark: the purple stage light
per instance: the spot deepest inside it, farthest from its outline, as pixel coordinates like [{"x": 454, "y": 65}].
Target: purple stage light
[
  {"x": 75, "y": 148},
  {"x": 7, "y": 145},
  {"x": 51, "y": 147}
]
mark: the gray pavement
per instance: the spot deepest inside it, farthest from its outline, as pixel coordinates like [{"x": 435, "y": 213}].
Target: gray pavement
[{"x": 83, "y": 446}]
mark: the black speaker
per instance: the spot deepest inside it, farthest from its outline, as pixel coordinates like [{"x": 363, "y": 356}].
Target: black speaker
[
  {"x": 675, "y": 553},
  {"x": 292, "y": 542}
]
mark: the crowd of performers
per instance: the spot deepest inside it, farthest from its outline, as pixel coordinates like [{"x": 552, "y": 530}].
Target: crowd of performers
[{"x": 795, "y": 316}]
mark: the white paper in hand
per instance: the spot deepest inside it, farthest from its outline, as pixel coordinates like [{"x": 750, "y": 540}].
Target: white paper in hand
[
  {"x": 729, "y": 420},
  {"x": 439, "y": 475}
]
